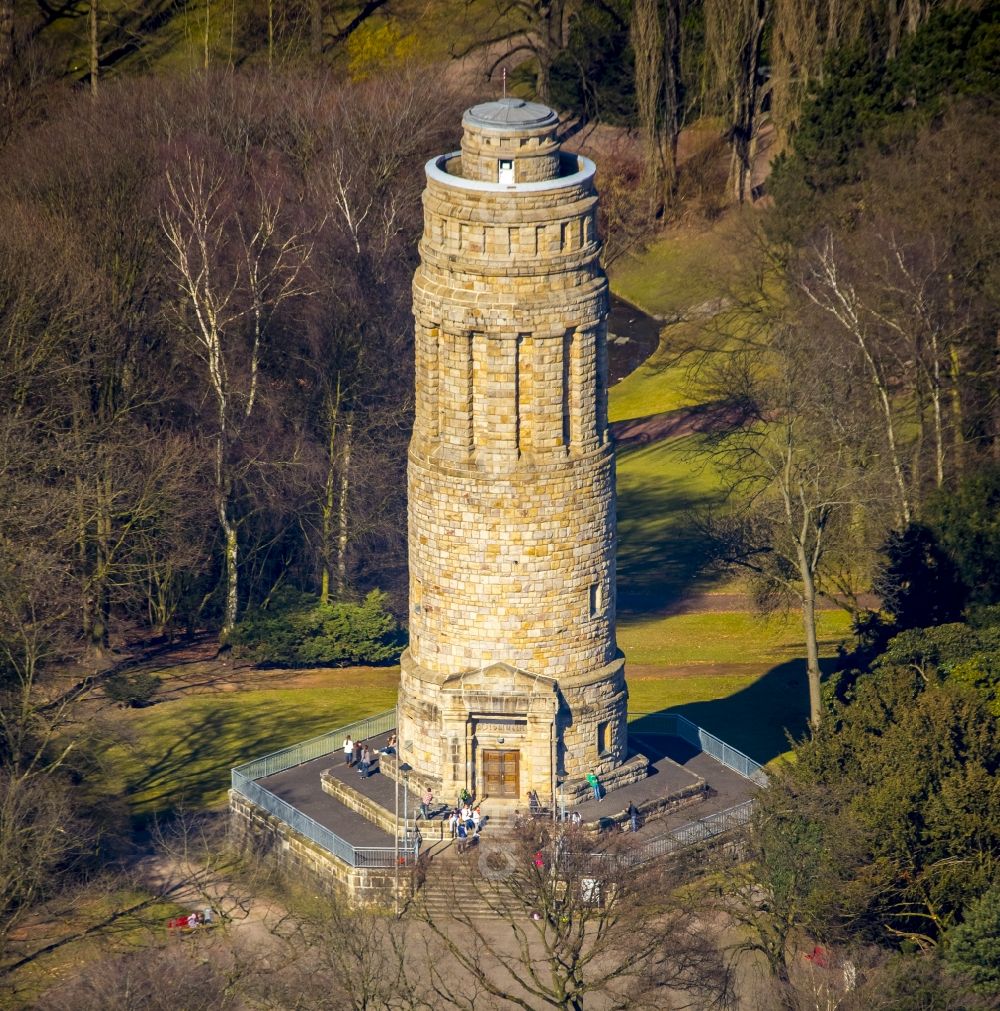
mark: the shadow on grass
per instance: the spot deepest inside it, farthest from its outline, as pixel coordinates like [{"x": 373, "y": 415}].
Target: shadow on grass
[
  {"x": 662, "y": 556},
  {"x": 192, "y": 770},
  {"x": 757, "y": 719}
]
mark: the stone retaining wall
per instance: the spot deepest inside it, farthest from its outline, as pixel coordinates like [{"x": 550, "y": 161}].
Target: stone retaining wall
[
  {"x": 272, "y": 838},
  {"x": 375, "y": 813}
]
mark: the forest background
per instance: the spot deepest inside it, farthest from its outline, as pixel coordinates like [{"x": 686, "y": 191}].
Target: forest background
[{"x": 210, "y": 215}]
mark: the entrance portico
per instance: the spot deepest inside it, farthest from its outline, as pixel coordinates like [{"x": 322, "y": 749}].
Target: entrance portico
[{"x": 497, "y": 734}]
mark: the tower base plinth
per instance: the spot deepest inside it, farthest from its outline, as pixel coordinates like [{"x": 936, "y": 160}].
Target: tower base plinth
[{"x": 503, "y": 733}]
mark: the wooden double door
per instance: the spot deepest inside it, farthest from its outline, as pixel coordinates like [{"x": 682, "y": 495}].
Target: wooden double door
[{"x": 501, "y": 774}]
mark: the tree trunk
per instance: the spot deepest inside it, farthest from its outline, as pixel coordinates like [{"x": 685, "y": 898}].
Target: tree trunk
[
  {"x": 550, "y": 41},
  {"x": 232, "y": 569},
  {"x": 996, "y": 396},
  {"x": 100, "y": 592},
  {"x": 81, "y": 557},
  {"x": 542, "y": 78},
  {"x": 648, "y": 46},
  {"x": 223, "y": 494},
  {"x": 786, "y": 990},
  {"x": 744, "y": 127},
  {"x": 6, "y": 38},
  {"x": 92, "y": 32},
  {"x": 342, "y": 512},
  {"x": 316, "y": 27},
  {"x": 270, "y": 35},
  {"x": 672, "y": 102},
  {"x": 734, "y": 32},
  {"x": 813, "y": 672},
  {"x": 938, "y": 423},
  {"x": 329, "y": 496},
  {"x": 957, "y": 419}
]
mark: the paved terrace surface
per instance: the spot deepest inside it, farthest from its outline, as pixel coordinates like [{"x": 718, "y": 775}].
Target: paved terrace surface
[
  {"x": 301, "y": 788},
  {"x": 728, "y": 788},
  {"x": 675, "y": 763}
]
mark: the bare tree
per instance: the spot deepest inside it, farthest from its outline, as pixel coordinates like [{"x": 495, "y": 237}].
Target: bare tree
[
  {"x": 40, "y": 833},
  {"x": 93, "y": 52},
  {"x": 657, "y": 40},
  {"x": 6, "y": 41},
  {"x": 583, "y": 921},
  {"x": 828, "y": 288},
  {"x": 340, "y": 955},
  {"x": 789, "y": 491},
  {"x": 536, "y": 30},
  {"x": 233, "y": 270},
  {"x": 170, "y": 545},
  {"x": 360, "y": 153},
  {"x": 803, "y": 37},
  {"x": 156, "y": 978},
  {"x": 734, "y": 39},
  {"x": 793, "y": 449}
]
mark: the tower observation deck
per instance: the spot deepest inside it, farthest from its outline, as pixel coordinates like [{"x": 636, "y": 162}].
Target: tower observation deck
[{"x": 513, "y": 680}]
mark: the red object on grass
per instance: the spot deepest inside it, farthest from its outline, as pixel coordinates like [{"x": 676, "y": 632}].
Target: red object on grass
[{"x": 818, "y": 956}]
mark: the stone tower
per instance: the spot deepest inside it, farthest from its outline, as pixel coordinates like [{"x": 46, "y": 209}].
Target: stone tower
[{"x": 513, "y": 680}]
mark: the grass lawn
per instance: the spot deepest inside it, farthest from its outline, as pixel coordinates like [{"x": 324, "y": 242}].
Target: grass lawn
[
  {"x": 70, "y": 916},
  {"x": 680, "y": 271},
  {"x": 757, "y": 692},
  {"x": 754, "y": 712},
  {"x": 687, "y": 278},
  {"x": 655, "y": 386},
  {"x": 724, "y": 637},
  {"x": 180, "y": 751},
  {"x": 661, "y": 487}
]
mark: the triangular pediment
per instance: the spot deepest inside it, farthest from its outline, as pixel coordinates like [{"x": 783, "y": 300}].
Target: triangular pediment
[{"x": 502, "y": 677}]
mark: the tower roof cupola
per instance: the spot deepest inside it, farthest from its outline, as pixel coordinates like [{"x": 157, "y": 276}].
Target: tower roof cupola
[{"x": 510, "y": 141}]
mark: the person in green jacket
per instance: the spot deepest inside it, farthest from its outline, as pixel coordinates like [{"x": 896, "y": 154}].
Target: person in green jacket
[{"x": 595, "y": 785}]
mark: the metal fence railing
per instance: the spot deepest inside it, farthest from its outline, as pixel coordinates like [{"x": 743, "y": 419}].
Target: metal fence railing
[
  {"x": 675, "y": 725},
  {"x": 695, "y": 832},
  {"x": 317, "y": 747},
  {"x": 244, "y": 782}
]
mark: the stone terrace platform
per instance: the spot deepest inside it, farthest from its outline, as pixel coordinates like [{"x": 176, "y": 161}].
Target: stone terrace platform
[
  {"x": 726, "y": 788},
  {"x": 678, "y": 771},
  {"x": 302, "y": 788}
]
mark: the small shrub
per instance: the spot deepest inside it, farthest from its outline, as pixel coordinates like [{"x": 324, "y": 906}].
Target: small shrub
[
  {"x": 132, "y": 690},
  {"x": 975, "y": 943},
  {"x": 297, "y": 630}
]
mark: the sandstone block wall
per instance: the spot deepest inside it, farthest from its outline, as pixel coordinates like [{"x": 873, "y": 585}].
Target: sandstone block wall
[
  {"x": 521, "y": 132},
  {"x": 278, "y": 842},
  {"x": 511, "y": 472}
]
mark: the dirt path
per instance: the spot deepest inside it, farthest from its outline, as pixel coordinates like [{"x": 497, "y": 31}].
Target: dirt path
[{"x": 195, "y": 886}]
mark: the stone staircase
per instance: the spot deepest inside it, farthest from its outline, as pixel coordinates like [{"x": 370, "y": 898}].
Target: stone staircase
[
  {"x": 442, "y": 897},
  {"x": 440, "y": 891}
]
